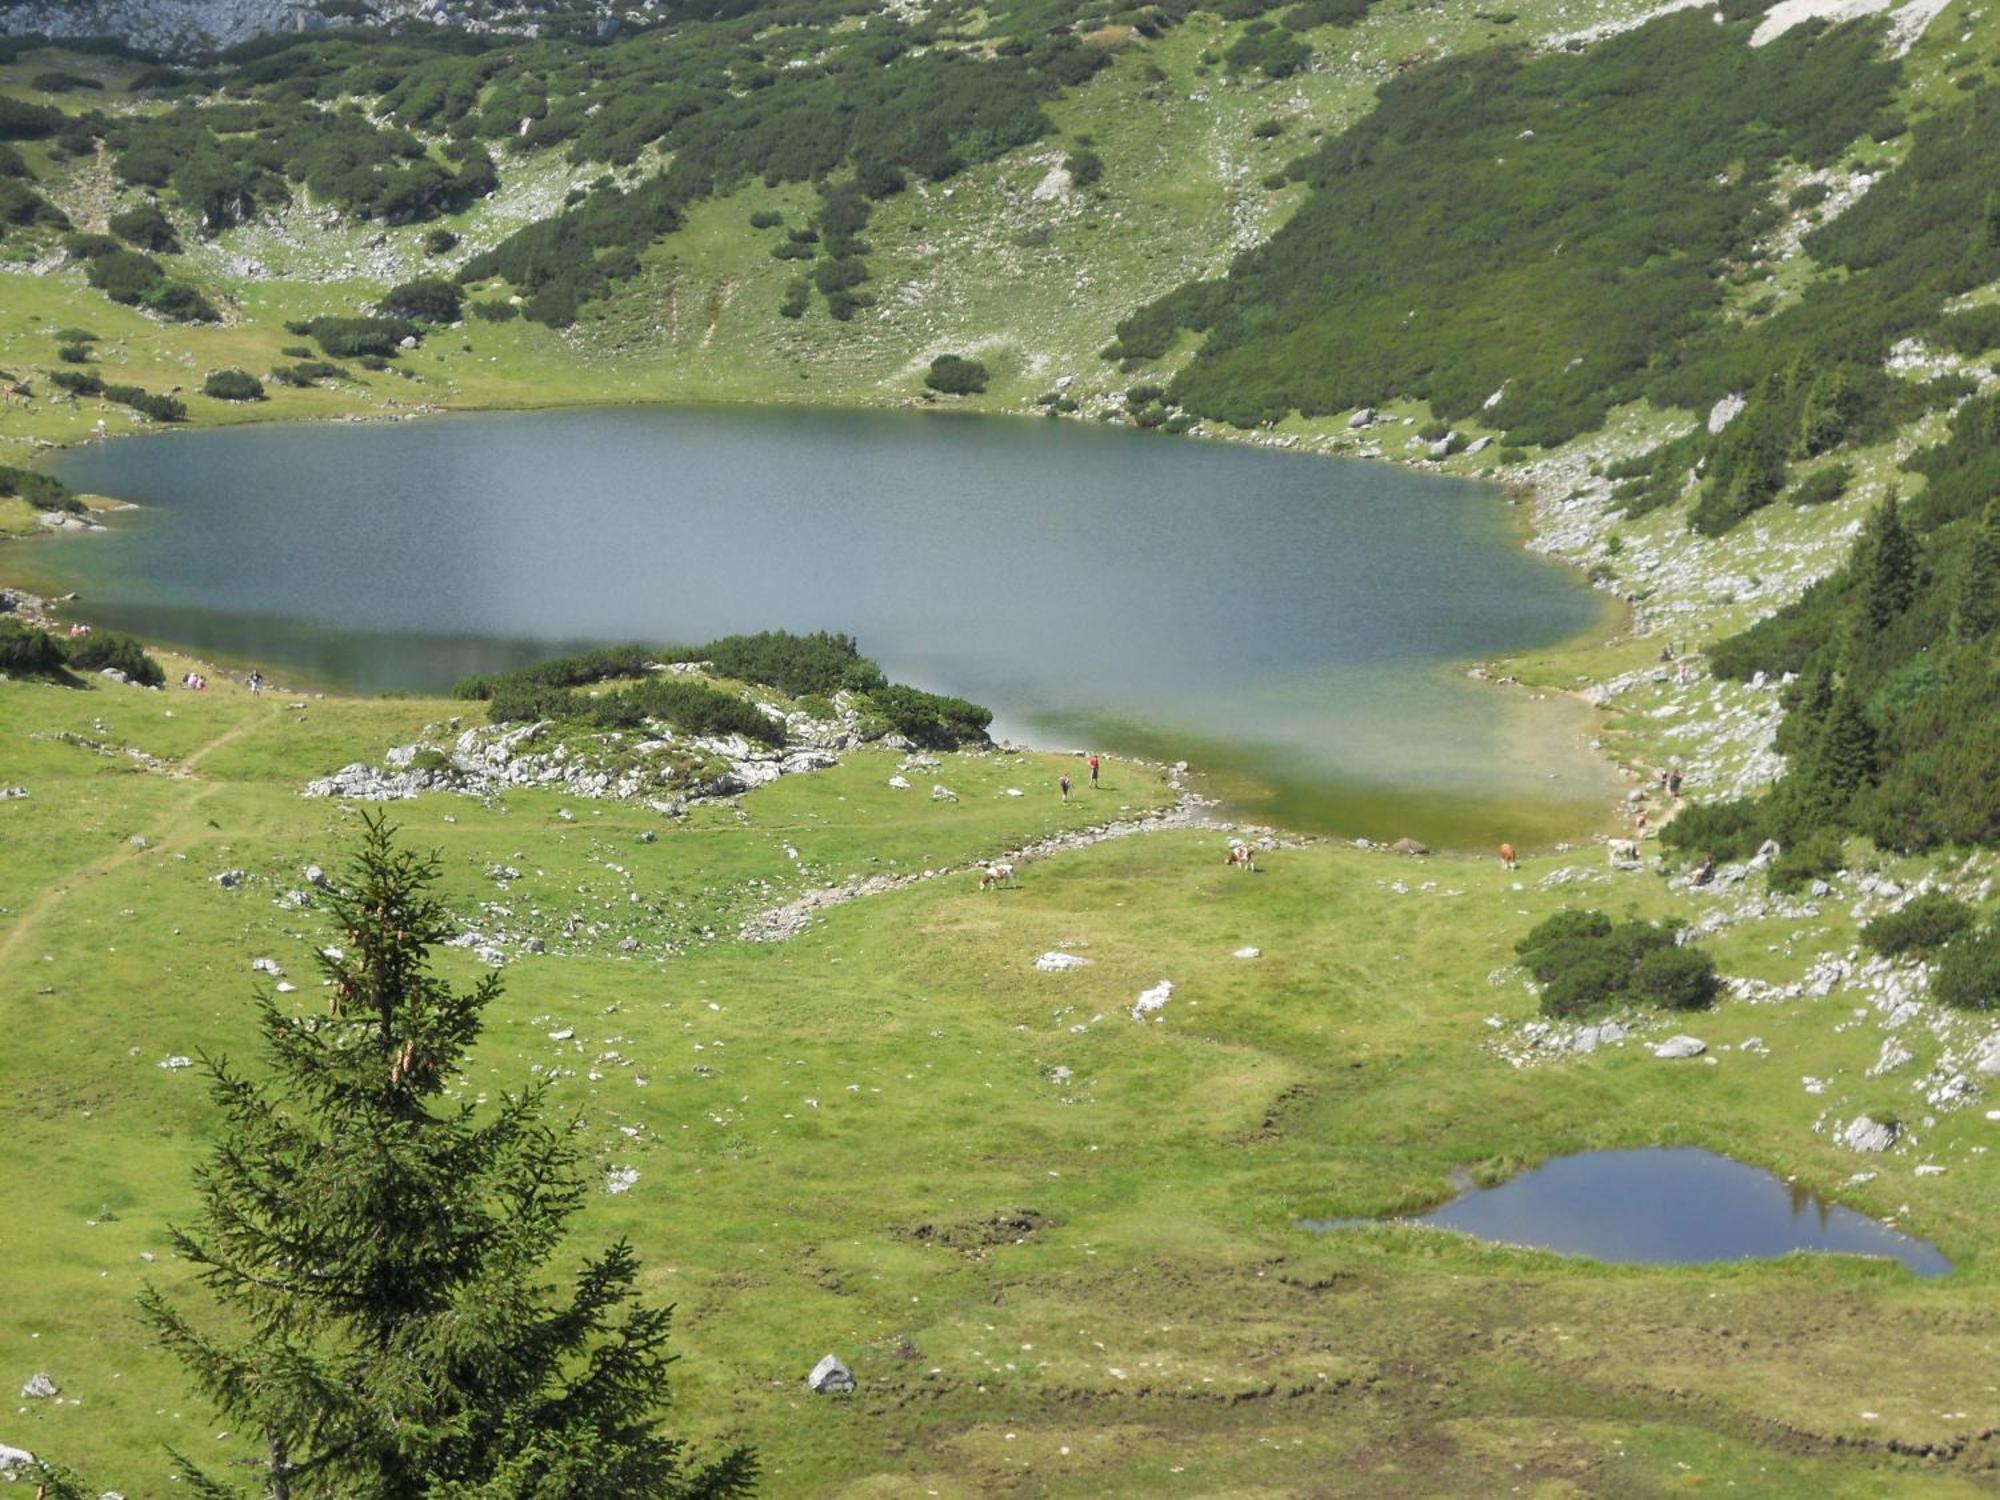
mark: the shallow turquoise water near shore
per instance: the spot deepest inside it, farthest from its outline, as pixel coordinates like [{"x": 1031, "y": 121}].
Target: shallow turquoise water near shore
[{"x": 1301, "y": 623}]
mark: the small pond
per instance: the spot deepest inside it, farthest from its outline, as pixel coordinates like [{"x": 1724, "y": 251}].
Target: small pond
[{"x": 1666, "y": 1206}]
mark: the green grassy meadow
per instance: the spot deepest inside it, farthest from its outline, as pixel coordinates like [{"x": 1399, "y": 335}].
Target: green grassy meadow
[{"x": 858, "y": 1141}]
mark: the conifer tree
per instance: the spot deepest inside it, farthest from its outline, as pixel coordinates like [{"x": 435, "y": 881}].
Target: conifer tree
[
  {"x": 1892, "y": 567},
  {"x": 1842, "y": 759},
  {"x": 1977, "y": 607},
  {"x": 381, "y": 1253}
]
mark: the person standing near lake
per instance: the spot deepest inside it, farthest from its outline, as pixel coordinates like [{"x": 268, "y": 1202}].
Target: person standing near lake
[
  {"x": 1063, "y": 782},
  {"x": 1094, "y": 764}
]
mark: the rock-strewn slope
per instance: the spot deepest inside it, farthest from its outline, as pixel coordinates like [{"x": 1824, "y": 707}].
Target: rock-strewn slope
[{"x": 182, "y": 26}]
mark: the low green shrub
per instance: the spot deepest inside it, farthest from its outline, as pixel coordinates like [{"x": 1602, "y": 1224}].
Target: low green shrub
[
  {"x": 147, "y": 228},
  {"x": 28, "y": 652},
  {"x": 1923, "y": 926},
  {"x": 933, "y": 720},
  {"x": 1968, "y": 973},
  {"x": 955, "y": 375},
  {"x": 1823, "y": 486},
  {"x": 349, "y": 338},
  {"x": 821, "y": 662},
  {"x": 104, "y": 649},
  {"x": 233, "y": 385},
  {"x": 43, "y": 491},
  {"x": 1818, "y": 854},
  {"x": 428, "y": 299},
  {"x": 1586, "y": 963}
]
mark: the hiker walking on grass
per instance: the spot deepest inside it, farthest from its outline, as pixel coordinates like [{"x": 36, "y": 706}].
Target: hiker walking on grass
[
  {"x": 1063, "y": 782},
  {"x": 1094, "y": 764}
]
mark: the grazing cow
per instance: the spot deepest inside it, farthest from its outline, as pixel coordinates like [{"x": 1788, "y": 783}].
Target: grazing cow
[
  {"x": 1242, "y": 856},
  {"x": 1624, "y": 854},
  {"x": 994, "y": 875},
  {"x": 1507, "y": 857}
]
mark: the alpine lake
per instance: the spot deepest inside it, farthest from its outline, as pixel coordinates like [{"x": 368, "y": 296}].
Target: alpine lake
[{"x": 1297, "y": 628}]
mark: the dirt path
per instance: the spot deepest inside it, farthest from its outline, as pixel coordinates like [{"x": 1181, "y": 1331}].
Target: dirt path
[
  {"x": 781, "y": 923},
  {"x": 180, "y": 830}
]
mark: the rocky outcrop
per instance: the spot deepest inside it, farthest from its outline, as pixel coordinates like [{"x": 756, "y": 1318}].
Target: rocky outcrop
[
  {"x": 660, "y": 768},
  {"x": 181, "y": 27}
]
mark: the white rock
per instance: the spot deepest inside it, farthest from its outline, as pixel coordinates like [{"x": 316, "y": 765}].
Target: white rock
[
  {"x": 14, "y": 1462},
  {"x": 1725, "y": 411},
  {"x": 175, "y": 1063},
  {"x": 39, "y": 1388},
  {"x": 831, "y": 1378},
  {"x": 1153, "y": 999},
  {"x": 1864, "y": 1134},
  {"x": 1680, "y": 1046},
  {"x": 1249, "y": 953},
  {"x": 621, "y": 1179},
  {"x": 900, "y": 783},
  {"x": 1053, "y": 962},
  {"x": 266, "y": 966}
]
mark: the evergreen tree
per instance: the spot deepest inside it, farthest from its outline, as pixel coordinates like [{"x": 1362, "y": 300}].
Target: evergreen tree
[
  {"x": 1892, "y": 567},
  {"x": 381, "y": 1255},
  {"x": 1842, "y": 758},
  {"x": 1826, "y": 413},
  {"x": 1977, "y": 606}
]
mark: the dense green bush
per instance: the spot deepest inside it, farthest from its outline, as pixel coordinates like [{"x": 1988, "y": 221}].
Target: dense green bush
[
  {"x": 104, "y": 649},
  {"x": 43, "y": 491},
  {"x": 798, "y": 666},
  {"x": 147, "y": 228},
  {"x": 1587, "y": 963},
  {"x": 349, "y": 338},
  {"x": 569, "y": 671},
  {"x": 27, "y": 122},
  {"x": 21, "y": 206},
  {"x": 1968, "y": 973},
  {"x": 690, "y": 706},
  {"x": 136, "y": 279},
  {"x": 498, "y": 310},
  {"x": 125, "y": 275},
  {"x": 932, "y": 720},
  {"x": 26, "y": 651},
  {"x": 87, "y": 383},
  {"x": 1922, "y": 926},
  {"x": 795, "y": 665},
  {"x": 233, "y": 385},
  {"x": 956, "y": 376},
  {"x": 56, "y": 81},
  {"x": 1677, "y": 978},
  {"x": 428, "y": 299},
  {"x": 1823, "y": 486}
]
